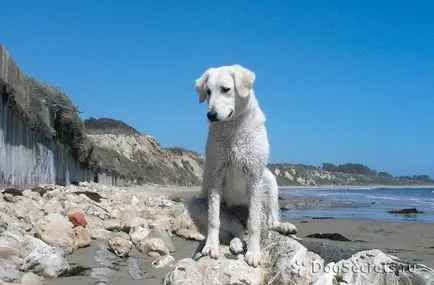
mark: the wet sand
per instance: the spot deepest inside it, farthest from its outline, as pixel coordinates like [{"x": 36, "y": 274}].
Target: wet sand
[
  {"x": 408, "y": 240},
  {"x": 103, "y": 267}
]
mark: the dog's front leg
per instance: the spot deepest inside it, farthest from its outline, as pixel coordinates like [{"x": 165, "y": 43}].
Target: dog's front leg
[
  {"x": 211, "y": 247},
  {"x": 253, "y": 254}
]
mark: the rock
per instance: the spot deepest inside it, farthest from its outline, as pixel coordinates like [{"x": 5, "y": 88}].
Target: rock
[
  {"x": 138, "y": 234},
  {"x": 52, "y": 207},
  {"x": 120, "y": 246},
  {"x": 6, "y": 252},
  {"x": 134, "y": 200},
  {"x": 8, "y": 197},
  {"x": 99, "y": 234},
  {"x": 134, "y": 222},
  {"x": 286, "y": 207},
  {"x": 286, "y": 261},
  {"x": 57, "y": 231},
  {"x": 116, "y": 214},
  {"x": 82, "y": 237},
  {"x": 330, "y": 236},
  {"x": 83, "y": 184},
  {"x": 189, "y": 234},
  {"x": 41, "y": 258},
  {"x": 162, "y": 234},
  {"x": 164, "y": 261},
  {"x": 406, "y": 211},
  {"x": 30, "y": 278},
  {"x": 153, "y": 247},
  {"x": 123, "y": 235},
  {"x": 18, "y": 261},
  {"x": 9, "y": 244},
  {"x": 187, "y": 270},
  {"x": 209, "y": 271},
  {"x": 112, "y": 225},
  {"x": 9, "y": 271},
  {"x": 77, "y": 218}
]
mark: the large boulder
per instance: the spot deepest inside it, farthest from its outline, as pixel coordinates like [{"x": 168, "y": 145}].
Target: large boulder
[
  {"x": 56, "y": 230},
  {"x": 41, "y": 258},
  {"x": 287, "y": 261}
]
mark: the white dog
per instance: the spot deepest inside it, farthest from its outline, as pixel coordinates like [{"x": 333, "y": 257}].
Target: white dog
[{"x": 235, "y": 172}]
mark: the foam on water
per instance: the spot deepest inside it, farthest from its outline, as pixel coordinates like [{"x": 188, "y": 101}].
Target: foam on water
[{"x": 373, "y": 203}]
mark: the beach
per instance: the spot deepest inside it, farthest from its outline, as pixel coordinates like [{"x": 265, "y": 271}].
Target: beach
[{"x": 411, "y": 241}]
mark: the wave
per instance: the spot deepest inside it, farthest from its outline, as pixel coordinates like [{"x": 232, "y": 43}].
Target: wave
[{"x": 385, "y": 198}]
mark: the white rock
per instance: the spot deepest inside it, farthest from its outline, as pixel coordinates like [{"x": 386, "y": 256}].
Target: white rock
[
  {"x": 84, "y": 184},
  {"x": 134, "y": 222},
  {"x": 164, "y": 236},
  {"x": 138, "y": 234},
  {"x": 8, "y": 197},
  {"x": 164, "y": 261},
  {"x": 82, "y": 237},
  {"x": 99, "y": 234},
  {"x": 41, "y": 258},
  {"x": 120, "y": 246},
  {"x": 53, "y": 206},
  {"x": 116, "y": 214},
  {"x": 286, "y": 261},
  {"x": 134, "y": 200},
  {"x": 30, "y": 278},
  {"x": 57, "y": 231},
  {"x": 9, "y": 271},
  {"x": 152, "y": 246},
  {"x": 112, "y": 225}
]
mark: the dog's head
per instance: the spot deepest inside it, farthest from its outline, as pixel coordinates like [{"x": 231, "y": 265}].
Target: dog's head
[{"x": 226, "y": 89}]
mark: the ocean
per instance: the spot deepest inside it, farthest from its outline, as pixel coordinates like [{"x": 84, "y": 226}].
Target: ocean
[{"x": 371, "y": 204}]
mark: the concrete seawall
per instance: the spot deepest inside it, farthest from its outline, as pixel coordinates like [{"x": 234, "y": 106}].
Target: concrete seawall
[{"x": 28, "y": 154}]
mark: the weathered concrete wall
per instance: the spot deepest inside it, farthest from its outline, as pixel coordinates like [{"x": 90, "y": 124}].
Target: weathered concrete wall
[{"x": 29, "y": 157}]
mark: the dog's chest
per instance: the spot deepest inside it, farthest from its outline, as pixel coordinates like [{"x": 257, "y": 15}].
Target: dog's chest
[{"x": 235, "y": 187}]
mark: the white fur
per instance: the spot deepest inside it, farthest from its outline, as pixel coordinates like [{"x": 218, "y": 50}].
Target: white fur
[{"x": 235, "y": 172}]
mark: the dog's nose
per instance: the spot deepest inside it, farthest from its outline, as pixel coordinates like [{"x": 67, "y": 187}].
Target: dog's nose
[{"x": 212, "y": 116}]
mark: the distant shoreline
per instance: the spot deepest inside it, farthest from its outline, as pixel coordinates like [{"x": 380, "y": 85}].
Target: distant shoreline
[{"x": 354, "y": 187}]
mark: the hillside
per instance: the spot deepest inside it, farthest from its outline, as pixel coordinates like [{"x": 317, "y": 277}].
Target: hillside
[
  {"x": 346, "y": 174},
  {"x": 142, "y": 156}
]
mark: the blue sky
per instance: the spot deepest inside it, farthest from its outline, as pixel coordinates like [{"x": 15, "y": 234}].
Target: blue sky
[{"x": 339, "y": 81}]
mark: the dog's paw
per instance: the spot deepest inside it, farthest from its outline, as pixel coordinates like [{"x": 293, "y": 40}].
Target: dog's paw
[
  {"x": 236, "y": 246},
  {"x": 286, "y": 229},
  {"x": 211, "y": 250},
  {"x": 253, "y": 257}
]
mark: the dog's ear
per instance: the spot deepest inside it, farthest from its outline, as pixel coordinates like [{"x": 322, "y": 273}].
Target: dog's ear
[
  {"x": 200, "y": 85},
  {"x": 244, "y": 79}
]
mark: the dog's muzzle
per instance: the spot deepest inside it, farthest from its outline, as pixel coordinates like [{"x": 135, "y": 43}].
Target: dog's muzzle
[{"x": 212, "y": 116}]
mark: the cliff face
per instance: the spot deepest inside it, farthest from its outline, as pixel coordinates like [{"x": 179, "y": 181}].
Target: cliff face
[{"x": 151, "y": 161}]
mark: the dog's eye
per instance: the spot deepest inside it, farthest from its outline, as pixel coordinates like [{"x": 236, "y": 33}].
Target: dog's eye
[
  {"x": 208, "y": 92},
  {"x": 225, "y": 90}
]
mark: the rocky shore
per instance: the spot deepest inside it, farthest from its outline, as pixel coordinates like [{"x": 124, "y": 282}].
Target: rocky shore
[
  {"x": 40, "y": 228},
  {"x": 96, "y": 234}
]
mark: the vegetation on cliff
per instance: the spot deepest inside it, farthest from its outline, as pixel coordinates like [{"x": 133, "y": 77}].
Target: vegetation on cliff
[{"x": 345, "y": 174}]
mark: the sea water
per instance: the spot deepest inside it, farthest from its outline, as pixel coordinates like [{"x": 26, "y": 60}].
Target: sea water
[{"x": 372, "y": 203}]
